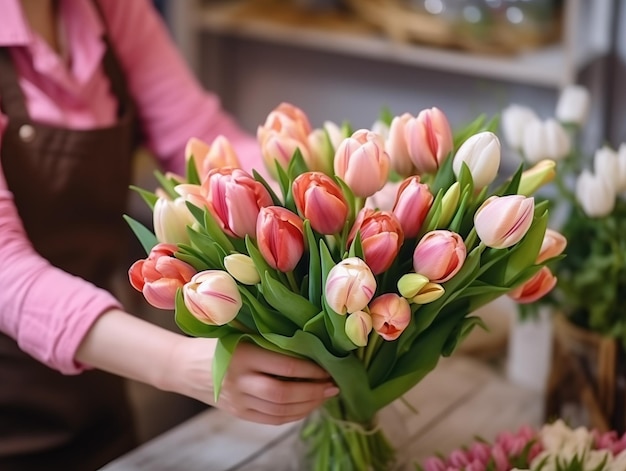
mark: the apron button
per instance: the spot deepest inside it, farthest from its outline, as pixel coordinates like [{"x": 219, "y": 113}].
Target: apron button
[{"x": 27, "y": 133}]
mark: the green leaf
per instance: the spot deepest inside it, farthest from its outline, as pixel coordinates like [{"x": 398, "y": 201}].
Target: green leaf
[
  {"x": 336, "y": 327},
  {"x": 194, "y": 257},
  {"x": 265, "y": 319},
  {"x": 525, "y": 252},
  {"x": 297, "y": 166},
  {"x": 259, "y": 261},
  {"x": 315, "y": 268},
  {"x": 460, "y": 333},
  {"x": 192, "y": 171},
  {"x": 356, "y": 248},
  {"x": 385, "y": 115},
  {"x": 211, "y": 251},
  {"x": 145, "y": 236},
  {"x": 259, "y": 178},
  {"x": 149, "y": 197},
  {"x": 295, "y": 307},
  {"x": 167, "y": 184}
]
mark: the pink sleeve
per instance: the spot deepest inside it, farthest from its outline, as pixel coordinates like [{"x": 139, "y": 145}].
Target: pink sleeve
[
  {"x": 172, "y": 104},
  {"x": 47, "y": 311}
]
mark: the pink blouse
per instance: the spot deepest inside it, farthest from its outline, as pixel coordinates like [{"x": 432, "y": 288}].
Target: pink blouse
[{"x": 46, "y": 310}]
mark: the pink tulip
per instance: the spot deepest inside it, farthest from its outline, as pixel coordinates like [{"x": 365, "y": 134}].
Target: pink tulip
[
  {"x": 286, "y": 129},
  {"x": 502, "y": 221},
  {"x": 212, "y": 297},
  {"x": 280, "y": 236},
  {"x": 397, "y": 148},
  {"x": 160, "y": 275},
  {"x": 232, "y": 197},
  {"x": 196, "y": 149},
  {"x": 500, "y": 459},
  {"x": 439, "y": 255},
  {"x": 391, "y": 314},
  {"x": 435, "y": 464},
  {"x": 361, "y": 162},
  {"x": 429, "y": 140},
  {"x": 412, "y": 204},
  {"x": 381, "y": 237},
  {"x": 350, "y": 286},
  {"x": 459, "y": 459},
  {"x": 535, "y": 288},
  {"x": 553, "y": 245},
  {"x": 358, "y": 327},
  {"x": 320, "y": 200}
]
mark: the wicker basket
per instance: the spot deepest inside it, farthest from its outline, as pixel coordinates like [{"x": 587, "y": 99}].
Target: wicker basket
[
  {"x": 402, "y": 23},
  {"x": 587, "y": 369}
]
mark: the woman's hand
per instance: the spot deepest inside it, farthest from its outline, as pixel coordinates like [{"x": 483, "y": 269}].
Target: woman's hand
[{"x": 260, "y": 385}]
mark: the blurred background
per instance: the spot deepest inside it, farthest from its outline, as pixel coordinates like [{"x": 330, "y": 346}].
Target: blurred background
[{"x": 347, "y": 59}]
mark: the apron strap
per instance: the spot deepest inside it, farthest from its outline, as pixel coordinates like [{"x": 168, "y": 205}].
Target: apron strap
[{"x": 11, "y": 97}]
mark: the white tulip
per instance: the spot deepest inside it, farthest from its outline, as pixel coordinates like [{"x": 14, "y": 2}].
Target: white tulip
[
  {"x": 170, "y": 219},
  {"x": 573, "y": 105},
  {"x": 335, "y": 133},
  {"x": 381, "y": 128},
  {"x": 606, "y": 166},
  {"x": 595, "y": 194},
  {"x": 481, "y": 153},
  {"x": 621, "y": 162},
  {"x": 514, "y": 119},
  {"x": 545, "y": 140}
]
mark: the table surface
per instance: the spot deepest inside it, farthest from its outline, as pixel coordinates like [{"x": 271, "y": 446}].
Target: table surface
[{"x": 462, "y": 399}]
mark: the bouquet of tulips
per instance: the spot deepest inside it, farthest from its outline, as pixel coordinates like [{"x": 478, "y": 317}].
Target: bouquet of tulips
[
  {"x": 553, "y": 447},
  {"x": 367, "y": 252}
]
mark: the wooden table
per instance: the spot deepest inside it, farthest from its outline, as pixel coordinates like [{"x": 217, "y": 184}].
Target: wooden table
[{"x": 463, "y": 398}]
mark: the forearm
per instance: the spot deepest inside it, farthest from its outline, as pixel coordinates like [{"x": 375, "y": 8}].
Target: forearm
[{"x": 130, "y": 347}]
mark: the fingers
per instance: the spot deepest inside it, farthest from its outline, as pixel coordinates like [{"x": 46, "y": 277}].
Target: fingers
[{"x": 271, "y": 363}]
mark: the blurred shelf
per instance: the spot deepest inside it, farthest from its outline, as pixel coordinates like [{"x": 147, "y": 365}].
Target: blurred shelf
[{"x": 555, "y": 65}]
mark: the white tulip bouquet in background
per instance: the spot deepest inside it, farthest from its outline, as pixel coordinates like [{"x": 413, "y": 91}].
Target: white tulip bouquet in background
[
  {"x": 591, "y": 194},
  {"x": 374, "y": 295}
]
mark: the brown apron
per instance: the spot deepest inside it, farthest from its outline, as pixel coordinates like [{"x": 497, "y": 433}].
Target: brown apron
[{"x": 70, "y": 189}]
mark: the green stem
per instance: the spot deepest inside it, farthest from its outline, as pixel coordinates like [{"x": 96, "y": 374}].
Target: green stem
[
  {"x": 292, "y": 282},
  {"x": 371, "y": 348}
]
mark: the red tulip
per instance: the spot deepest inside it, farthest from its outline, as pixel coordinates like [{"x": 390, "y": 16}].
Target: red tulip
[
  {"x": 160, "y": 275},
  {"x": 535, "y": 288},
  {"x": 280, "y": 235},
  {"x": 320, "y": 200},
  {"x": 381, "y": 238}
]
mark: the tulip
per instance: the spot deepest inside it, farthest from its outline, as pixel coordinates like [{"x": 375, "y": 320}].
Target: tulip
[
  {"x": 397, "y": 147},
  {"x": 320, "y": 200},
  {"x": 429, "y": 140},
  {"x": 361, "y": 162},
  {"x": 212, "y": 297},
  {"x": 552, "y": 246},
  {"x": 439, "y": 255},
  {"x": 536, "y": 287},
  {"x": 196, "y": 149},
  {"x": 606, "y": 166},
  {"x": 481, "y": 154},
  {"x": 435, "y": 464},
  {"x": 413, "y": 201},
  {"x": 381, "y": 128},
  {"x": 160, "y": 275},
  {"x": 514, "y": 120},
  {"x": 429, "y": 293},
  {"x": 321, "y": 152},
  {"x": 391, "y": 314},
  {"x": 286, "y": 129},
  {"x": 242, "y": 268},
  {"x": 385, "y": 198},
  {"x": 449, "y": 204},
  {"x": 595, "y": 195},
  {"x": 350, "y": 286},
  {"x": 171, "y": 219},
  {"x": 381, "y": 237},
  {"x": 232, "y": 197},
  {"x": 621, "y": 160},
  {"x": 220, "y": 154},
  {"x": 542, "y": 173},
  {"x": 573, "y": 105},
  {"x": 411, "y": 284},
  {"x": 502, "y": 221},
  {"x": 280, "y": 235},
  {"x": 545, "y": 140},
  {"x": 358, "y": 327},
  {"x": 335, "y": 134}
]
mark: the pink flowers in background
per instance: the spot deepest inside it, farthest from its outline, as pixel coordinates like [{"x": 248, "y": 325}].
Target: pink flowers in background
[
  {"x": 554, "y": 446},
  {"x": 309, "y": 264}
]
